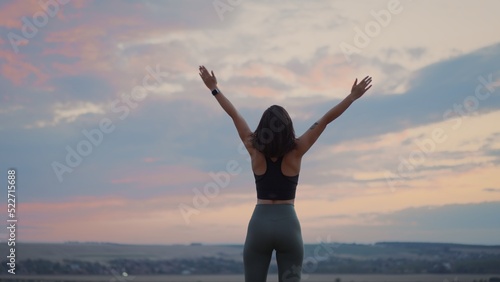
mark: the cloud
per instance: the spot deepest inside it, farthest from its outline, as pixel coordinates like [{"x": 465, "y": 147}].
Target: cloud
[
  {"x": 491, "y": 190},
  {"x": 416, "y": 53},
  {"x": 68, "y": 112},
  {"x": 459, "y": 223},
  {"x": 112, "y": 216},
  {"x": 459, "y": 216},
  {"x": 12, "y": 12},
  {"x": 177, "y": 130}
]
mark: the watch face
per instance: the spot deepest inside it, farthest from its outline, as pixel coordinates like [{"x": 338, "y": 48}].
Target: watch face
[{"x": 215, "y": 91}]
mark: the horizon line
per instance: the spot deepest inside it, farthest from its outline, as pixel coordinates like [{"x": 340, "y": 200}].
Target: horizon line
[{"x": 242, "y": 243}]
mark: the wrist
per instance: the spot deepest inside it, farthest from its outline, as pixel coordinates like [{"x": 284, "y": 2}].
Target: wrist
[
  {"x": 215, "y": 90},
  {"x": 351, "y": 98}
]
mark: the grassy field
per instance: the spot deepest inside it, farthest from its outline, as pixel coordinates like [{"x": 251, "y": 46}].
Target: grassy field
[{"x": 239, "y": 278}]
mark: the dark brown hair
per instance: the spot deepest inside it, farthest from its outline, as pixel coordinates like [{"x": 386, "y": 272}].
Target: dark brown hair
[{"x": 274, "y": 136}]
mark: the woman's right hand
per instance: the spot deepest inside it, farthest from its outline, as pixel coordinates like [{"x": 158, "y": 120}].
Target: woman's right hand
[{"x": 358, "y": 89}]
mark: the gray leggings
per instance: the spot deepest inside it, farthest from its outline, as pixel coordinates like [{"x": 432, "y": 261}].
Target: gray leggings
[{"x": 273, "y": 227}]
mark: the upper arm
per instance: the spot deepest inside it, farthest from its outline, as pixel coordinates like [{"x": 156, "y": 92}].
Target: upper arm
[
  {"x": 243, "y": 131},
  {"x": 305, "y": 142}
]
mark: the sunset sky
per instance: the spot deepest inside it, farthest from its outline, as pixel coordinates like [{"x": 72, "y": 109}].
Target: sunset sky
[{"x": 115, "y": 138}]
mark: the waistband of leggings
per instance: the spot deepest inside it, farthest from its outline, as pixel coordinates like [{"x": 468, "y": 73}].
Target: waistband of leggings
[{"x": 284, "y": 204}]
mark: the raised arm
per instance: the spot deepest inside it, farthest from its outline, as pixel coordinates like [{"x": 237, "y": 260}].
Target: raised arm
[
  {"x": 241, "y": 125},
  {"x": 309, "y": 137}
]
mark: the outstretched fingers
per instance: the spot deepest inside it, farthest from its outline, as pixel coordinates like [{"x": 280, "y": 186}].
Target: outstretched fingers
[
  {"x": 366, "y": 82},
  {"x": 204, "y": 73},
  {"x": 367, "y": 79}
]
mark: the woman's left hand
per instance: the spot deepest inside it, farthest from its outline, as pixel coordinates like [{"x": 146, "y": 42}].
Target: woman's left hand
[{"x": 209, "y": 80}]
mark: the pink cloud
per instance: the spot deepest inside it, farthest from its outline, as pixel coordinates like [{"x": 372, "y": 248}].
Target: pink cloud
[
  {"x": 257, "y": 69},
  {"x": 90, "y": 218},
  {"x": 252, "y": 69},
  {"x": 326, "y": 72},
  {"x": 18, "y": 67},
  {"x": 260, "y": 91},
  {"x": 323, "y": 74},
  {"x": 90, "y": 37},
  {"x": 18, "y": 70},
  {"x": 111, "y": 40},
  {"x": 12, "y": 12},
  {"x": 98, "y": 51},
  {"x": 116, "y": 219}
]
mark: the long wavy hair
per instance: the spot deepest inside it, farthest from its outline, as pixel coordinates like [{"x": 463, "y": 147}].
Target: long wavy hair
[{"x": 274, "y": 136}]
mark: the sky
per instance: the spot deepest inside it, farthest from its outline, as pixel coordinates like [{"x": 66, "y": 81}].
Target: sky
[{"x": 114, "y": 137}]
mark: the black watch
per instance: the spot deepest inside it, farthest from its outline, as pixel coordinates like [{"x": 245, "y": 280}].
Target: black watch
[{"x": 215, "y": 91}]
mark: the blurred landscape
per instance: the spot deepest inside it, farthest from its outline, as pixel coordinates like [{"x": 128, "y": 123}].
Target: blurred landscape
[
  {"x": 270, "y": 278},
  {"x": 383, "y": 261}
]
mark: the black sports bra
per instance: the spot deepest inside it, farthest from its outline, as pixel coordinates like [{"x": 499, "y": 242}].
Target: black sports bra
[{"x": 273, "y": 184}]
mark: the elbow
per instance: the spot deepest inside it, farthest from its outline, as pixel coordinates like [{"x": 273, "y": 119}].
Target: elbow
[{"x": 323, "y": 122}]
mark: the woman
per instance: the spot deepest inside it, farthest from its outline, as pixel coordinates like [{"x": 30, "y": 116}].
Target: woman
[{"x": 276, "y": 156}]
